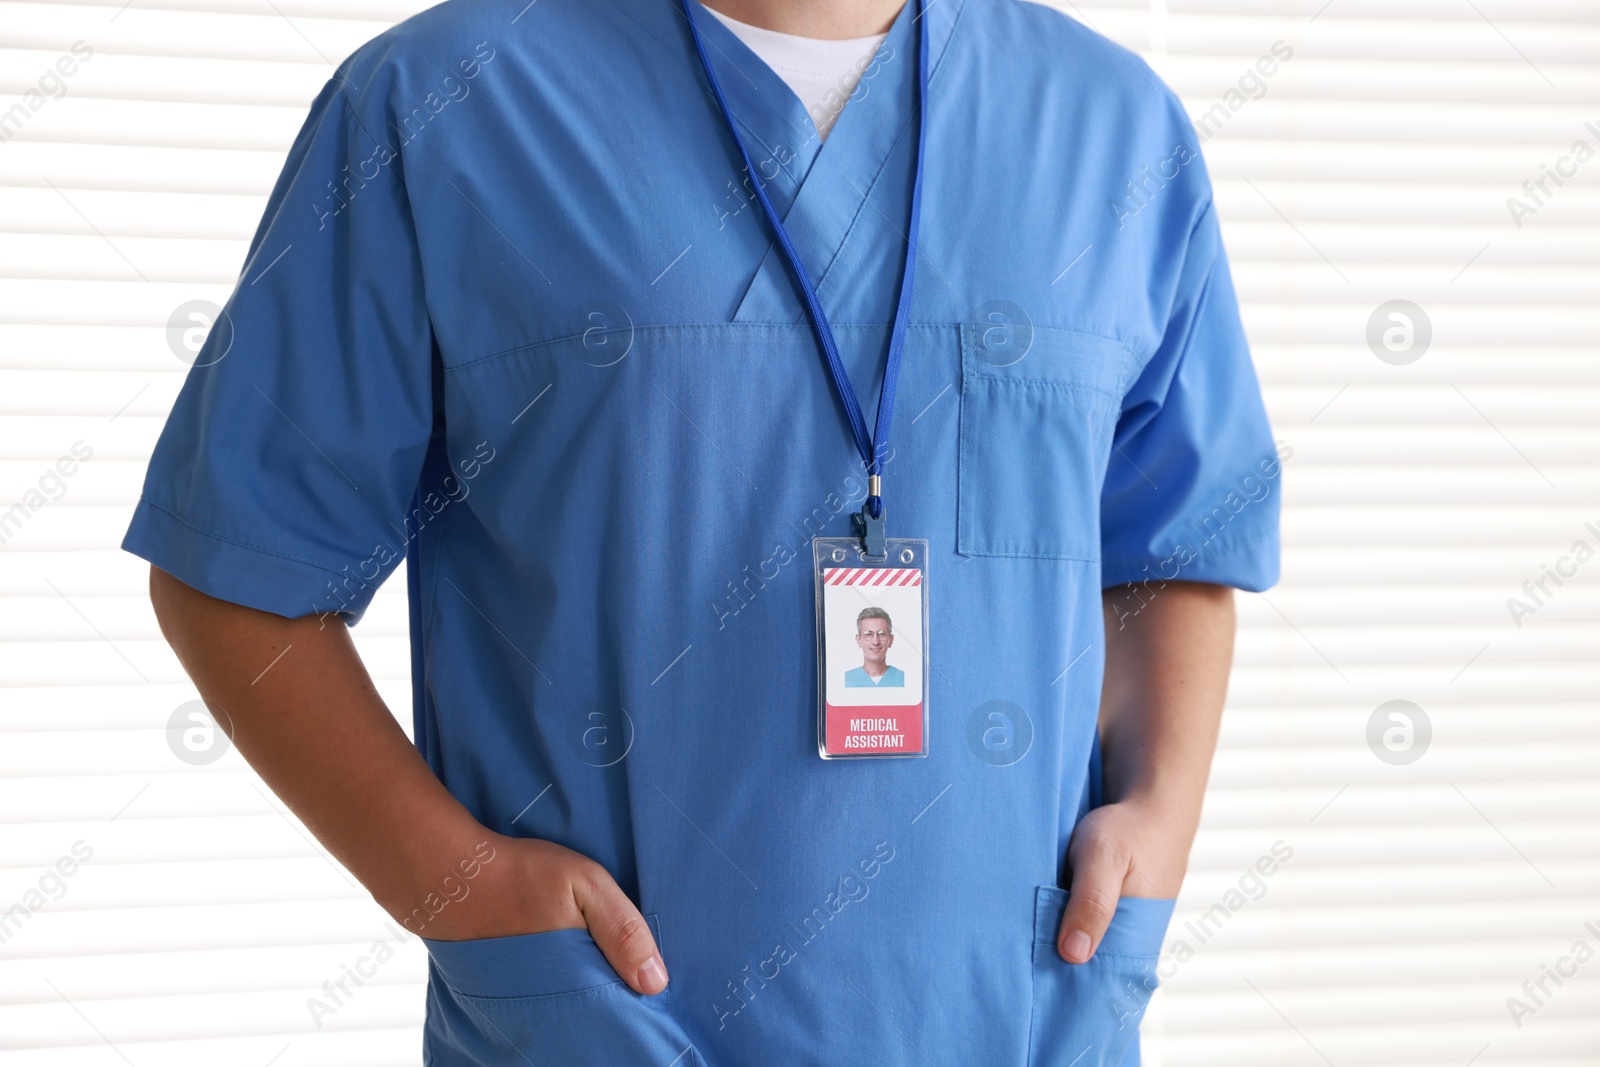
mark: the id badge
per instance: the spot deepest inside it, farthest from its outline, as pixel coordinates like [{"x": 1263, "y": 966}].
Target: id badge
[{"x": 872, "y": 641}]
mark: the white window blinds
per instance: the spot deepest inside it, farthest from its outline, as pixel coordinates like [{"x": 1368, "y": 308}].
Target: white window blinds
[{"x": 1341, "y": 909}]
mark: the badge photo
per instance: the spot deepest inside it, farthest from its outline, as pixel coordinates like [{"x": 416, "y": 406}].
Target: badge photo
[{"x": 872, "y": 677}]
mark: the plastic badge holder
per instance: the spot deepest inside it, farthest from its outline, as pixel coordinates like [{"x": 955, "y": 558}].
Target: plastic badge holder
[{"x": 860, "y": 716}]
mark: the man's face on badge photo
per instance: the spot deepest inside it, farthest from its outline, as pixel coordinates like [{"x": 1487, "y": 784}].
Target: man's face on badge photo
[{"x": 874, "y": 636}]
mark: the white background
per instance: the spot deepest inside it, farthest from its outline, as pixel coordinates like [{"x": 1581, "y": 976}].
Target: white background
[{"x": 1376, "y": 166}]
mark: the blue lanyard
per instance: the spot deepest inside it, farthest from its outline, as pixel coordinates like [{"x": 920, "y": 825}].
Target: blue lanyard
[{"x": 872, "y": 448}]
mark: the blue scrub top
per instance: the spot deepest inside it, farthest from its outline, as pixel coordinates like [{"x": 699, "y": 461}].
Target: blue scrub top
[
  {"x": 858, "y": 676},
  {"x": 512, "y": 318}
]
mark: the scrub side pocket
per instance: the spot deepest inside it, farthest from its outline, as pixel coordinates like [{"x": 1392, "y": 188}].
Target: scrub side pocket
[
  {"x": 545, "y": 998},
  {"x": 1087, "y": 1014},
  {"x": 1037, "y": 418}
]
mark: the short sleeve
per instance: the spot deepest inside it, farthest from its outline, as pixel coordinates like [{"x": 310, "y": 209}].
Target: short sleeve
[
  {"x": 1192, "y": 489},
  {"x": 283, "y": 477}
]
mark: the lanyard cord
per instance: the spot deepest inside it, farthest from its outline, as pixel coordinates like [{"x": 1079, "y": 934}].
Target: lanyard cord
[{"x": 872, "y": 453}]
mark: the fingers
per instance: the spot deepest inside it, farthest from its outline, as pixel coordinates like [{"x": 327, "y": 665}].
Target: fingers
[
  {"x": 621, "y": 932},
  {"x": 1097, "y": 876}
]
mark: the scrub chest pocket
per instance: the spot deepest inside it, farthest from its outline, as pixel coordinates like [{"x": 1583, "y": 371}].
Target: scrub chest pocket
[
  {"x": 1039, "y": 407},
  {"x": 545, "y": 998},
  {"x": 1087, "y": 1014}
]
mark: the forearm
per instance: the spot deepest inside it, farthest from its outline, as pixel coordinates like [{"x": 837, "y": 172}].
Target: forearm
[
  {"x": 1165, "y": 682},
  {"x": 1160, "y": 708},
  {"x": 304, "y": 713}
]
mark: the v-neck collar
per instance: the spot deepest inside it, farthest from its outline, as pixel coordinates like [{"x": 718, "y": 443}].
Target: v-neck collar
[
  {"x": 774, "y": 123},
  {"x": 823, "y": 186}
]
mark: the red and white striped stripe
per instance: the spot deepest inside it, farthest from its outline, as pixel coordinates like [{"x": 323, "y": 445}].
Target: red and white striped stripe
[{"x": 882, "y": 577}]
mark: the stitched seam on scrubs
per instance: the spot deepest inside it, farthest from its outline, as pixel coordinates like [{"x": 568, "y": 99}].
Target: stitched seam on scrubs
[
  {"x": 1225, "y": 544},
  {"x": 1053, "y": 334},
  {"x": 883, "y": 165},
  {"x": 866, "y": 199},
  {"x": 1200, "y": 297},
  {"x": 1043, "y": 384},
  {"x": 934, "y": 63},
  {"x": 749, "y": 130},
  {"x": 238, "y": 544},
  {"x": 593, "y": 991},
  {"x": 968, "y": 529},
  {"x": 1103, "y": 951},
  {"x": 1239, "y": 549},
  {"x": 1033, "y": 1000},
  {"x": 771, "y": 151},
  {"x": 676, "y": 326},
  {"x": 430, "y": 610},
  {"x": 992, "y": 554},
  {"x": 344, "y": 96}
]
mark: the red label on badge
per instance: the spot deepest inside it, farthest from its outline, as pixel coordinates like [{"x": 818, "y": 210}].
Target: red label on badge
[{"x": 874, "y": 730}]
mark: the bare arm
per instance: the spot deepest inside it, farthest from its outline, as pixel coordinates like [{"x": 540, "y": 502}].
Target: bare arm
[
  {"x": 304, "y": 713},
  {"x": 1166, "y": 678}
]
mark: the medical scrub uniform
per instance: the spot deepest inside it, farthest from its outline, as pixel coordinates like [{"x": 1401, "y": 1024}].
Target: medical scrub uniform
[
  {"x": 858, "y": 676},
  {"x": 513, "y": 319}
]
